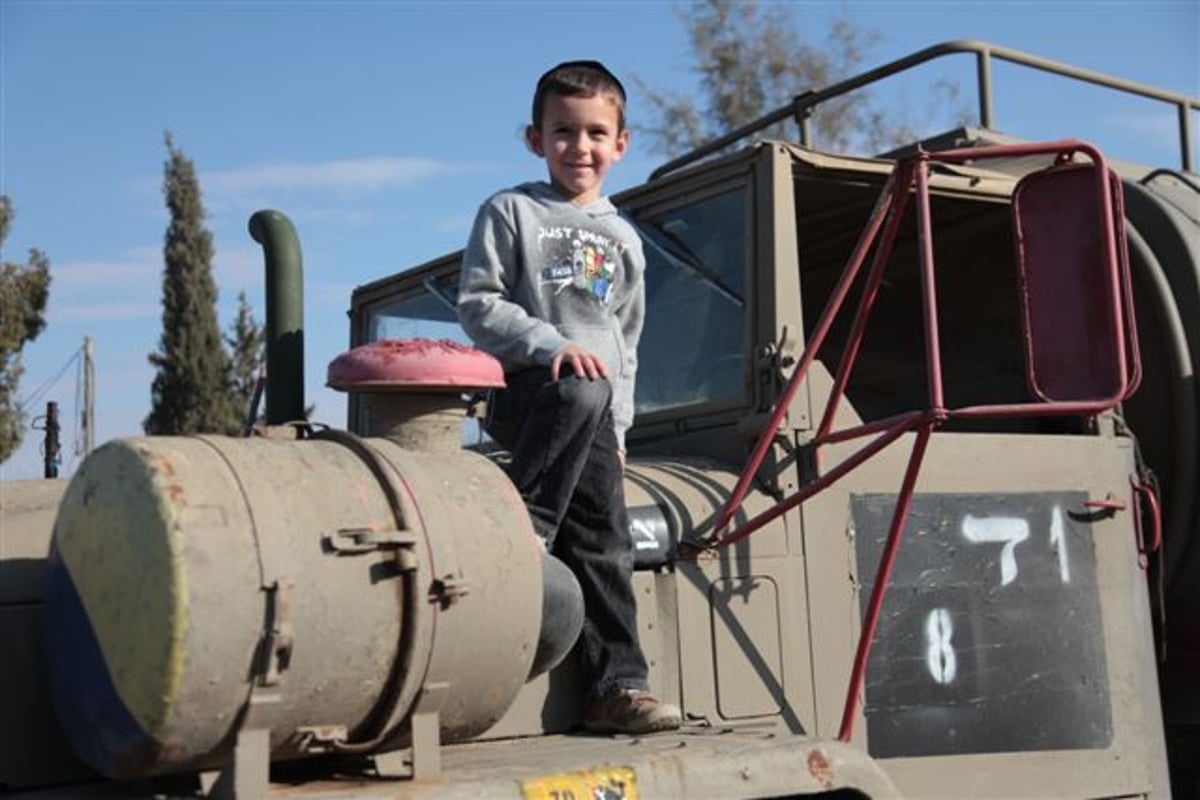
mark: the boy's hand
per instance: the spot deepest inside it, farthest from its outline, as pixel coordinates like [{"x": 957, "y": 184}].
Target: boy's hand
[{"x": 586, "y": 364}]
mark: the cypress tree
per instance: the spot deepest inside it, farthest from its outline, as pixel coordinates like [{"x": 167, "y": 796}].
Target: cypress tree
[
  {"x": 246, "y": 340},
  {"x": 192, "y": 388}
]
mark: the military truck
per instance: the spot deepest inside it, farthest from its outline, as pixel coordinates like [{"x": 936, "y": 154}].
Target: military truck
[{"x": 912, "y": 487}]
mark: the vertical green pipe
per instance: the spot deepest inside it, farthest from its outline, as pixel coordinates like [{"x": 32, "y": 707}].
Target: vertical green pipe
[{"x": 285, "y": 315}]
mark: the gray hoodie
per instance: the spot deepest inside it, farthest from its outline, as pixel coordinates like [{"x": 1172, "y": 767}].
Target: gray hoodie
[{"x": 540, "y": 272}]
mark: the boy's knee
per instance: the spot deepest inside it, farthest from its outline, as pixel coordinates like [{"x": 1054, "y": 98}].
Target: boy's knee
[{"x": 586, "y": 397}]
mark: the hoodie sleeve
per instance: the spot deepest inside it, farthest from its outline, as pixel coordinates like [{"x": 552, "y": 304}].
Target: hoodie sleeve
[
  {"x": 631, "y": 314},
  {"x": 492, "y": 268}
]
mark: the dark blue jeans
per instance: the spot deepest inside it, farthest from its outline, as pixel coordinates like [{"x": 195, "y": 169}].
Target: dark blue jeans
[{"x": 565, "y": 465}]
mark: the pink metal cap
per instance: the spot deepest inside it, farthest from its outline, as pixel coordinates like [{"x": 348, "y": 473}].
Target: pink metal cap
[{"x": 414, "y": 365}]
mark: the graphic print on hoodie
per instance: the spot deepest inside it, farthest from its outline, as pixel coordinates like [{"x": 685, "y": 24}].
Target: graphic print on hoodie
[{"x": 580, "y": 258}]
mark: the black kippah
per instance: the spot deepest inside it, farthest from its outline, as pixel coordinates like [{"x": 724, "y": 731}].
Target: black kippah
[{"x": 595, "y": 65}]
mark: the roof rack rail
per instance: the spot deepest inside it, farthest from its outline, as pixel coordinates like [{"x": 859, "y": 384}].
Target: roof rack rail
[{"x": 802, "y": 105}]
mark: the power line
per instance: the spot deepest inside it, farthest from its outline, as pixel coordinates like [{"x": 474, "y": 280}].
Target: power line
[{"x": 46, "y": 385}]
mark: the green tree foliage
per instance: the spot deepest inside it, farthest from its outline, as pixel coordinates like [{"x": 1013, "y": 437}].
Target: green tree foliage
[
  {"x": 191, "y": 390},
  {"x": 246, "y": 340},
  {"x": 24, "y": 290},
  {"x": 752, "y": 61}
]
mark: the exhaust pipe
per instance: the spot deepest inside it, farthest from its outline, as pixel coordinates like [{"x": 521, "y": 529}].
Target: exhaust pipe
[{"x": 285, "y": 315}]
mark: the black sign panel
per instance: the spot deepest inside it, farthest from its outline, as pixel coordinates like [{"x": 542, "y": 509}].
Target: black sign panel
[
  {"x": 990, "y": 638},
  {"x": 651, "y": 534}
]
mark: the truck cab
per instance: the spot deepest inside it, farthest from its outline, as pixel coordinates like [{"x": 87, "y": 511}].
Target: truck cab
[{"x": 1015, "y": 636}]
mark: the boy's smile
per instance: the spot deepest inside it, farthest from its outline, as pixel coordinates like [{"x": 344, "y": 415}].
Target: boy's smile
[{"x": 580, "y": 138}]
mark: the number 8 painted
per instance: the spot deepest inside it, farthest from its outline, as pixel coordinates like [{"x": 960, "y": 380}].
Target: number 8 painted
[{"x": 939, "y": 654}]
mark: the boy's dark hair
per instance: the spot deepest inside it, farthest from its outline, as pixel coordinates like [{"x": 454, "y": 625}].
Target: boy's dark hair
[{"x": 578, "y": 79}]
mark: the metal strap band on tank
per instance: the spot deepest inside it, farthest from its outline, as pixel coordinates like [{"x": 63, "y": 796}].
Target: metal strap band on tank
[
  {"x": 264, "y": 510},
  {"x": 276, "y": 644},
  {"x": 402, "y": 684}
]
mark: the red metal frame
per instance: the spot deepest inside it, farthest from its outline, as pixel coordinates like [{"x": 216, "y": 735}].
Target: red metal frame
[
  {"x": 911, "y": 176},
  {"x": 1142, "y": 488}
]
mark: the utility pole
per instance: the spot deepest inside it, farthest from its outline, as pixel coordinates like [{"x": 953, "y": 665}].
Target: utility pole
[
  {"x": 89, "y": 398},
  {"x": 51, "y": 449}
]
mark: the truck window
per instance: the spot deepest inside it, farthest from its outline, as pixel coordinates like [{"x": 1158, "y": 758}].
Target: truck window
[
  {"x": 426, "y": 313},
  {"x": 693, "y": 343},
  {"x": 692, "y": 346}
]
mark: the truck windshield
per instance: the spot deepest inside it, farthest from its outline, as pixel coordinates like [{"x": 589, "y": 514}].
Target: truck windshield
[
  {"x": 692, "y": 348},
  {"x": 691, "y": 351}
]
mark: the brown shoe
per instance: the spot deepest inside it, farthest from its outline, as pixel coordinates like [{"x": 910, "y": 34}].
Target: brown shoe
[{"x": 631, "y": 711}]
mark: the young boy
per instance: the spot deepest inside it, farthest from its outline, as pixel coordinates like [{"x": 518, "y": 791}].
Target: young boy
[{"x": 551, "y": 285}]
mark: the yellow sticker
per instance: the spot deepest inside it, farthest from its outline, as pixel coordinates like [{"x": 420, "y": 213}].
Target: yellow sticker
[{"x": 607, "y": 783}]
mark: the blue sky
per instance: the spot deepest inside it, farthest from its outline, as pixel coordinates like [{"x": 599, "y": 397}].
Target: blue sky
[{"x": 378, "y": 127}]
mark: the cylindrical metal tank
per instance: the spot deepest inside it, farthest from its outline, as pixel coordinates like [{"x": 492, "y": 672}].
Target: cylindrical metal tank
[
  {"x": 415, "y": 393},
  {"x": 316, "y": 589},
  {"x": 1163, "y": 223},
  {"x": 1163, "y": 227}
]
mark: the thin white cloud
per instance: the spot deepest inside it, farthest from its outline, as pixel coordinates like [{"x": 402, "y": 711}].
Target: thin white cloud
[
  {"x": 107, "y": 290},
  {"x": 131, "y": 288},
  {"x": 148, "y": 253},
  {"x": 87, "y": 274},
  {"x": 344, "y": 216},
  {"x": 96, "y": 312},
  {"x": 364, "y": 174}
]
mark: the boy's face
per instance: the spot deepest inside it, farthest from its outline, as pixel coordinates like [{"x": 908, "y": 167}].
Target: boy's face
[{"x": 580, "y": 138}]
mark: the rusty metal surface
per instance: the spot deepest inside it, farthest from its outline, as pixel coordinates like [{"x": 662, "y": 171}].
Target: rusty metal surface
[{"x": 724, "y": 763}]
